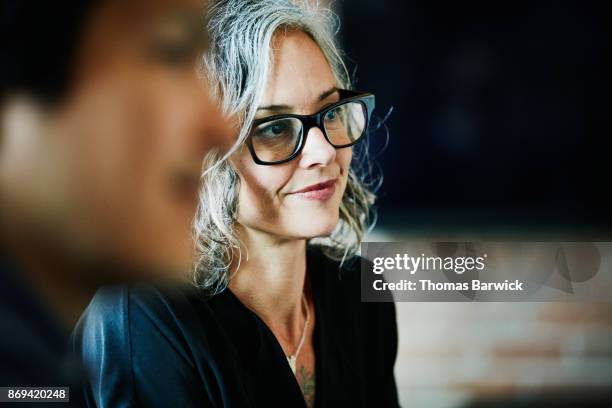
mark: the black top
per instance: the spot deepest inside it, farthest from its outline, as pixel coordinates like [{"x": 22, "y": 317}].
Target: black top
[
  {"x": 34, "y": 345},
  {"x": 146, "y": 346}
]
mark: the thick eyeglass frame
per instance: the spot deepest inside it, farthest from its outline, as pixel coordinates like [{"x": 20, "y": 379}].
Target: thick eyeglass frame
[{"x": 366, "y": 99}]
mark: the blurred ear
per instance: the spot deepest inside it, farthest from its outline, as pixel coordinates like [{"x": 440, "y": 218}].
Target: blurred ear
[
  {"x": 22, "y": 132},
  {"x": 21, "y": 124}
]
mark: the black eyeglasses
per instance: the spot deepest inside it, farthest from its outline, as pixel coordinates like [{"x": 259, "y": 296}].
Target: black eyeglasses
[{"x": 280, "y": 138}]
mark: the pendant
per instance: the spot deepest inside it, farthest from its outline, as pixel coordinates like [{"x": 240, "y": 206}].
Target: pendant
[{"x": 292, "y": 361}]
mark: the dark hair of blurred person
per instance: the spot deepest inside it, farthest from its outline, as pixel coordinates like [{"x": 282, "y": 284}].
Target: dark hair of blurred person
[{"x": 104, "y": 124}]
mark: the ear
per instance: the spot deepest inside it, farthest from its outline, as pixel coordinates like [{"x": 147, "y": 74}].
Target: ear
[
  {"x": 21, "y": 115},
  {"x": 21, "y": 127}
]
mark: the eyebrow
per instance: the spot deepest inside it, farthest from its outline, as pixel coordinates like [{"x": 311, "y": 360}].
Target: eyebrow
[{"x": 321, "y": 97}]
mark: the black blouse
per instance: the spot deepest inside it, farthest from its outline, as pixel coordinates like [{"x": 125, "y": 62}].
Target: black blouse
[{"x": 162, "y": 347}]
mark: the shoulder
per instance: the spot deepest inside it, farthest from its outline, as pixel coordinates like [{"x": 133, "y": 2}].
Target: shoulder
[
  {"x": 111, "y": 311},
  {"x": 130, "y": 334},
  {"x": 118, "y": 315}
]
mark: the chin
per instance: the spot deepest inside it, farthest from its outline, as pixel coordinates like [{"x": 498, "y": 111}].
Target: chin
[
  {"x": 153, "y": 253},
  {"x": 314, "y": 227}
]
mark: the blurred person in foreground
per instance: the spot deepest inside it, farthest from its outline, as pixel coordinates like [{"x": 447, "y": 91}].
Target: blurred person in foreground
[
  {"x": 275, "y": 319},
  {"x": 104, "y": 125}
]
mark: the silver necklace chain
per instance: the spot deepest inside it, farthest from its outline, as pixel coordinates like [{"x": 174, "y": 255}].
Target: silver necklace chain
[{"x": 292, "y": 359}]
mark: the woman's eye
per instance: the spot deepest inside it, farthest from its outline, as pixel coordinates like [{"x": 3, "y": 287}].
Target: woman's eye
[
  {"x": 331, "y": 115},
  {"x": 273, "y": 130},
  {"x": 277, "y": 129},
  {"x": 174, "y": 54}
]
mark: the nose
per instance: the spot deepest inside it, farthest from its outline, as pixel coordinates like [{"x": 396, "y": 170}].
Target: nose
[{"x": 317, "y": 150}]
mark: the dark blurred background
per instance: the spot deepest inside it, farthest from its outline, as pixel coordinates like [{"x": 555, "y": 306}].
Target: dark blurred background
[
  {"x": 500, "y": 112},
  {"x": 500, "y": 130}
]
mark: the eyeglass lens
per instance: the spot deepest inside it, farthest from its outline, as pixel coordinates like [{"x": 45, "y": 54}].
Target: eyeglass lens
[{"x": 278, "y": 139}]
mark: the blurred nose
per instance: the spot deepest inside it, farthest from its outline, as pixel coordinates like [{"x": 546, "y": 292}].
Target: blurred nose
[
  {"x": 317, "y": 150},
  {"x": 216, "y": 129}
]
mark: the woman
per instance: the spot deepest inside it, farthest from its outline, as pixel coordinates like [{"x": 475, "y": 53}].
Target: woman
[{"x": 274, "y": 319}]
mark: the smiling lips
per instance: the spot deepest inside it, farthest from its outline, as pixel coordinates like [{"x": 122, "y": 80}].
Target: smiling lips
[{"x": 320, "y": 191}]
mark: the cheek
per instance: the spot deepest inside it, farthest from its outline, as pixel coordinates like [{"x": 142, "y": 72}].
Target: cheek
[
  {"x": 124, "y": 183},
  {"x": 259, "y": 197},
  {"x": 180, "y": 117},
  {"x": 344, "y": 157}
]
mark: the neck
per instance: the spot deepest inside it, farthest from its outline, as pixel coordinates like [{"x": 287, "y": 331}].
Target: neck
[
  {"x": 271, "y": 279},
  {"x": 61, "y": 284}
]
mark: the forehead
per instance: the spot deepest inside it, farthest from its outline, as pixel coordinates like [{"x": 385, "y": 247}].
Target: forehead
[
  {"x": 154, "y": 8},
  {"x": 118, "y": 27},
  {"x": 115, "y": 16},
  {"x": 300, "y": 71}
]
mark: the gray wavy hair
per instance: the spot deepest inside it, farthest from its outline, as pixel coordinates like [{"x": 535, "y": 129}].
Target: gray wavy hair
[{"x": 237, "y": 67}]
